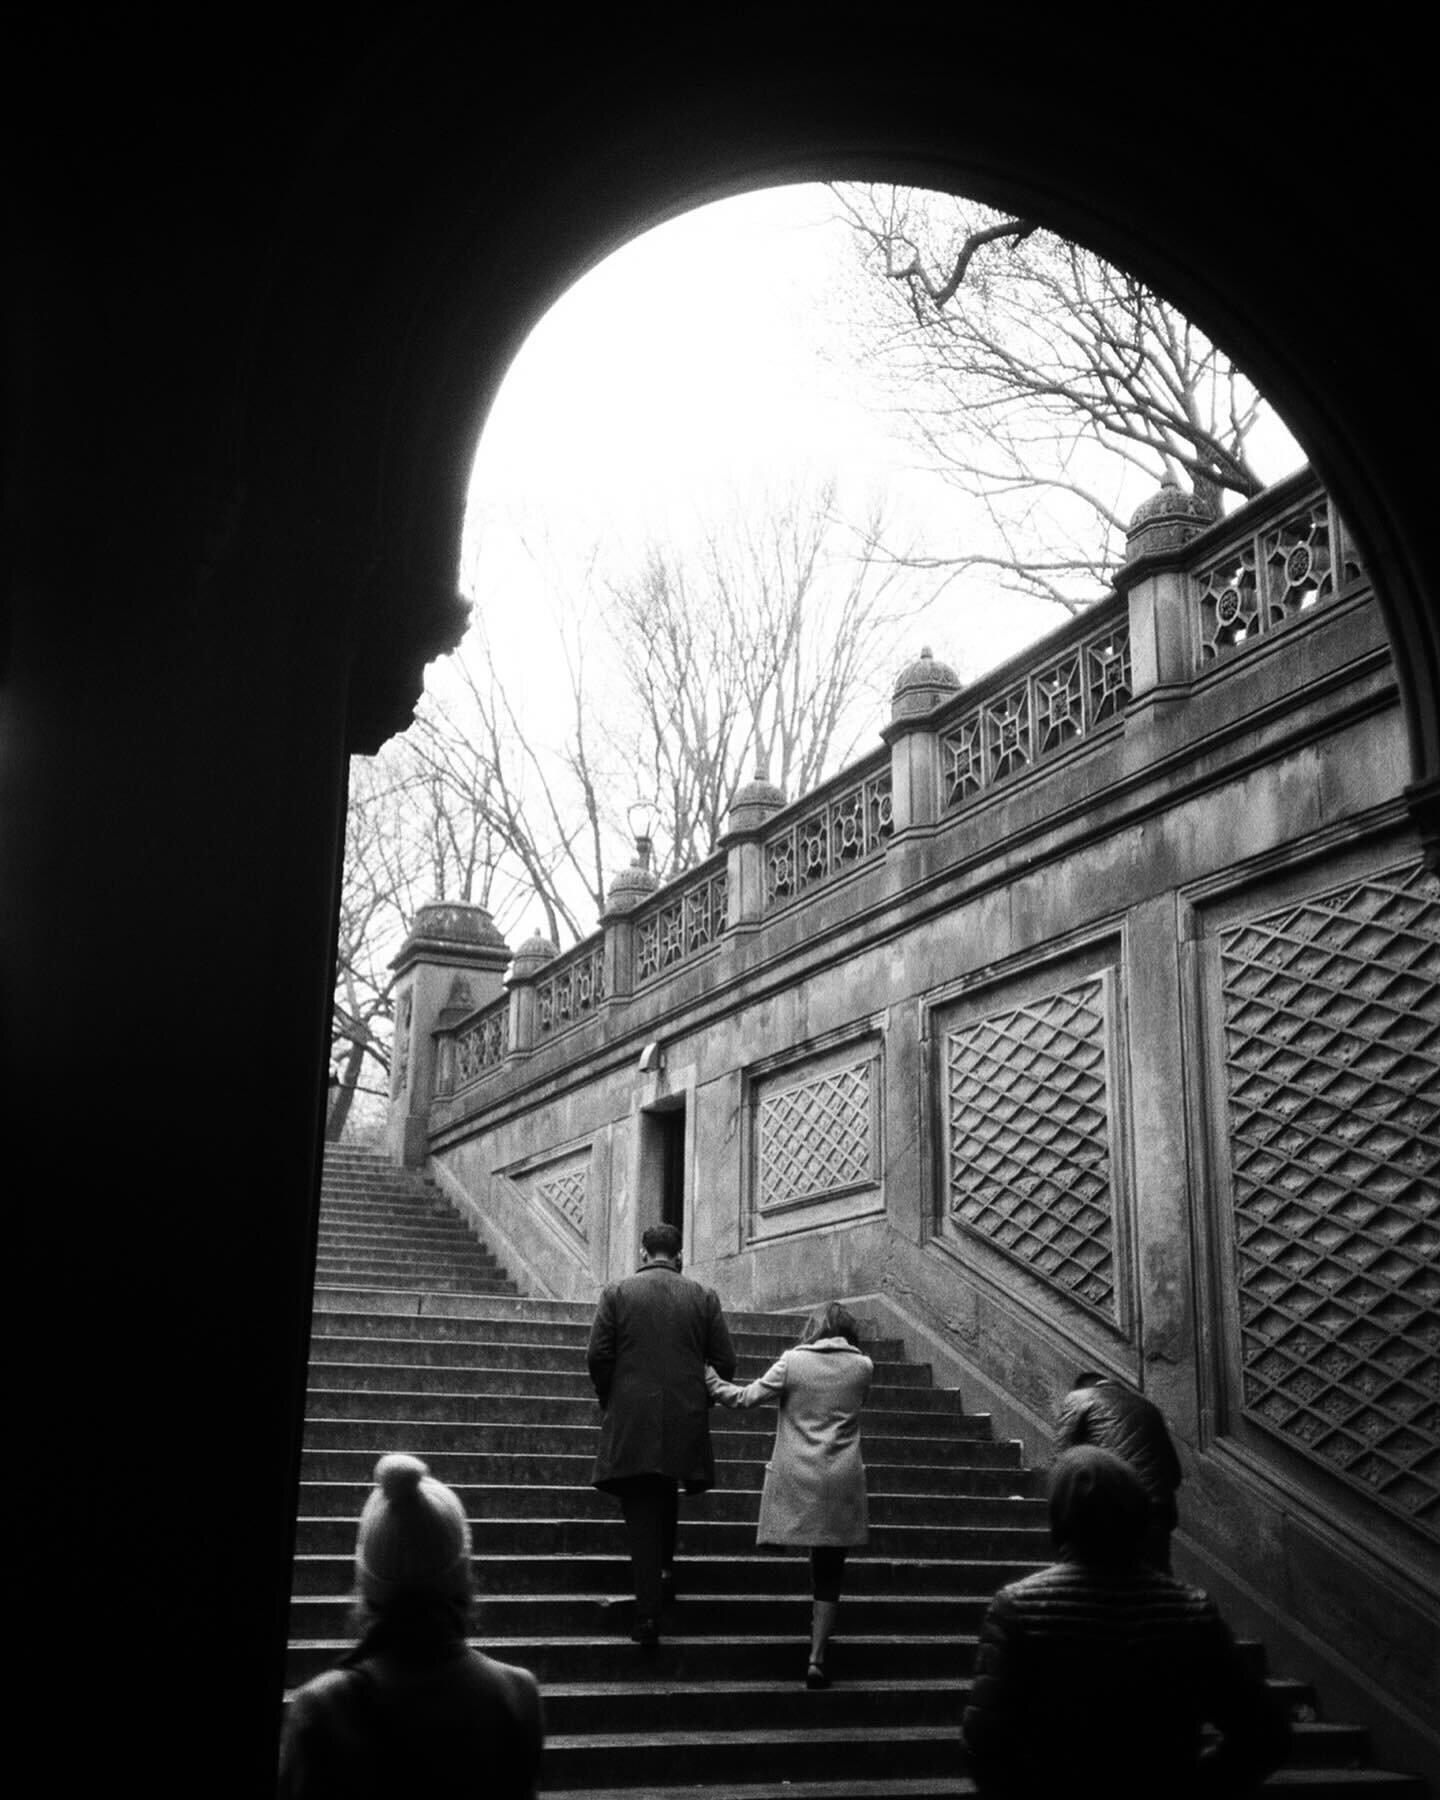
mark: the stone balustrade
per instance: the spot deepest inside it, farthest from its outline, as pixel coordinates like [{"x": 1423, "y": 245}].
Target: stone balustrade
[{"x": 1193, "y": 595}]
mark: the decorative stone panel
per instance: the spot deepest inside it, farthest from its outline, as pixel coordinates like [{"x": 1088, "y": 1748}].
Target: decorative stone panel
[
  {"x": 847, "y": 826},
  {"x": 1331, "y": 1015},
  {"x": 816, "y": 1137},
  {"x": 1027, "y": 1149},
  {"x": 1041, "y": 714},
  {"x": 680, "y": 924},
  {"x": 483, "y": 1043},
  {"x": 573, "y": 988},
  {"x": 1256, "y": 586},
  {"x": 400, "y": 1077},
  {"x": 566, "y": 1190}
]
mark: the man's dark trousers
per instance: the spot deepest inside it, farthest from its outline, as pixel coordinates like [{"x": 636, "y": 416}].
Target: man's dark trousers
[{"x": 651, "y": 1505}]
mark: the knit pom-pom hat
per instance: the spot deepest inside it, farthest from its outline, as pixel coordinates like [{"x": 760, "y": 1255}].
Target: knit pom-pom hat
[
  {"x": 414, "y": 1537},
  {"x": 1098, "y": 1508}
]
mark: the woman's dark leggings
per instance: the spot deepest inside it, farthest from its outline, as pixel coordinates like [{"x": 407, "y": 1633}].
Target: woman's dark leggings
[{"x": 827, "y": 1569}]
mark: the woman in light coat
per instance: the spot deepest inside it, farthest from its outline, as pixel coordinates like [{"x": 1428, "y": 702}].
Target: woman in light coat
[{"x": 814, "y": 1495}]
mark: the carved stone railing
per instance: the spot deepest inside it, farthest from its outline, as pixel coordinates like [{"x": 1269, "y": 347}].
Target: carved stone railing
[
  {"x": 1278, "y": 569},
  {"x": 1191, "y": 594},
  {"x": 1037, "y": 712},
  {"x": 683, "y": 921},
  {"x": 571, "y": 990},
  {"x": 844, "y": 823},
  {"x": 482, "y": 1042}
]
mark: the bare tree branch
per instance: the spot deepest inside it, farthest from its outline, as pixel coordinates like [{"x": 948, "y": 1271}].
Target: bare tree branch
[{"x": 1028, "y": 367}]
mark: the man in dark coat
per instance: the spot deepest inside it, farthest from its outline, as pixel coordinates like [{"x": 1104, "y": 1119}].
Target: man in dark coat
[
  {"x": 1100, "y": 1673},
  {"x": 652, "y": 1337},
  {"x": 1102, "y": 1411}
]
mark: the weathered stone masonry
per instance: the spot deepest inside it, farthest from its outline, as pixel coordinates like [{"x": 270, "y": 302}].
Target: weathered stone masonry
[{"x": 1095, "y": 1019}]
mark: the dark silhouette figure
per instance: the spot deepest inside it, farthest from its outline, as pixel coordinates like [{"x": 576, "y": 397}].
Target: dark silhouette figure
[
  {"x": 1103, "y": 1411},
  {"x": 814, "y": 1495},
  {"x": 1100, "y": 1673},
  {"x": 651, "y": 1339},
  {"x": 412, "y": 1708}
]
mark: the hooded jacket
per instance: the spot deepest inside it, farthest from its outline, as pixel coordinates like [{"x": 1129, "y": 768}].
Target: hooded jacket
[{"x": 1111, "y": 1416}]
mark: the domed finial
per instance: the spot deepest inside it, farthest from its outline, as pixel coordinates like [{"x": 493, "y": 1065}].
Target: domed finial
[
  {"x": 922, "y": 685},
  {"x": 756, "y": 802},
  {"x": 1166, "y": 521}
]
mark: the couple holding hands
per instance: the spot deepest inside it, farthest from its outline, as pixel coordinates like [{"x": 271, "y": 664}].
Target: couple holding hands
[{"x": 659, "y": 1356}]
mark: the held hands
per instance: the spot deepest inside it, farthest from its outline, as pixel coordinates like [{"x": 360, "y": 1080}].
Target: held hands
[{"x": 723, "y": 1391}]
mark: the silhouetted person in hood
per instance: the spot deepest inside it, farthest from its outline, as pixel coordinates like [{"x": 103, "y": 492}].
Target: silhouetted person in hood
[
  {"x": 1103, "y": 1411},
  {"x": 1100, "y": 1673}
]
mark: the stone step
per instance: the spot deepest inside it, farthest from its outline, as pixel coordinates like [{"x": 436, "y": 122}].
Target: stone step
[
  {"x": 376, "y": 1305},
  {"x": 952, "y": 1537},
  {"x": 367, "y": 1269},
  {"x": 973, "y": 1492},
  {"x": 469, "y": 1467},
  {"x": 604, "y": 1762},
  {"x": 436, "y": 1235},
  {"x": 369, "y": 1224},
  {"x": 377, "y": 1354},
  {"x": 597, "y": 1563},
  {"x": 574, "y": 1707},
  {"x": 443, "y": 1401},
  {"x": 601, "y": 1611},
  {"x": 457, "y": 1287},
  {"x": 757, "y": 1348},
  {"x": 854, "y": 1657},
  {"x": 376, "y": 1269},
  {"x": 732, "y": 1443}
]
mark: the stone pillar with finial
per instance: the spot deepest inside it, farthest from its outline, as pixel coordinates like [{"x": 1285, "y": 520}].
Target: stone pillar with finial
[
  {"x": 627, "y": 890},
  {"x": 754, "y": 805},
  {"x": 453, "y": 956},
  {"x": 531, "y": 960},
  {"x": 920, "y": 687},
  {"x": 1155, "y": 581}
]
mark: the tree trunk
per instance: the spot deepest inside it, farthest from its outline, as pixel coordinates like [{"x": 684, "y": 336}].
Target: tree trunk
[{"x": 342, "y": 1095}]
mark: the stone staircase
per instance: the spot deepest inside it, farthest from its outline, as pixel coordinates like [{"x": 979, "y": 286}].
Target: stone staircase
[{"x": 421, "y": 1343}]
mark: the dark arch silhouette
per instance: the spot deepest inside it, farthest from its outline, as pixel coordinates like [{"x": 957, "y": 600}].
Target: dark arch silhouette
[{"x": 269, "y": 272}]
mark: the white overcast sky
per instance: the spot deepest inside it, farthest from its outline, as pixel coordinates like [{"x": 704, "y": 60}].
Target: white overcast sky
[{"x": 704, "y": 360}]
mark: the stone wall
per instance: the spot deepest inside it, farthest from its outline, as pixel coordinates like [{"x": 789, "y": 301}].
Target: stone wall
[{"x": 1115, "y": 1043}]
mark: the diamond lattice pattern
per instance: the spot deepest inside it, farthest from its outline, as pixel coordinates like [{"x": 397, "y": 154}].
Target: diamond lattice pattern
[
  {"x": 1029, "y": 1139},
  {"x": 566, "y": 1192},
  {"x": 1332, "y": 1063},
  {"x": 816, "y": 1137}
]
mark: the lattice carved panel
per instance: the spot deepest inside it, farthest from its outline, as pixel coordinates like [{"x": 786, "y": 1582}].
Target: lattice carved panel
[
  {"x": 1028, "y": 1158},
  {"x": 1332, "y": 1070},
  {"x": 567, "y": 1191},
  {"x": 816, "y": 1137}
]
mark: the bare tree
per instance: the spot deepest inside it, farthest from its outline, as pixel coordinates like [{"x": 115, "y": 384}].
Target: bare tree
[
  {"x": 1052, "y": 389},
  {"x": 769, "y": 639},
  {"x": 381, "y": 886},
  {"x": 529, "y": 819},
  {"x": 765, "y": 645}
]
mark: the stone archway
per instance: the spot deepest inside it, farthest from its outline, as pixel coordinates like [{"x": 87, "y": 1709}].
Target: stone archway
[{"x": 263, "y": 293}]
